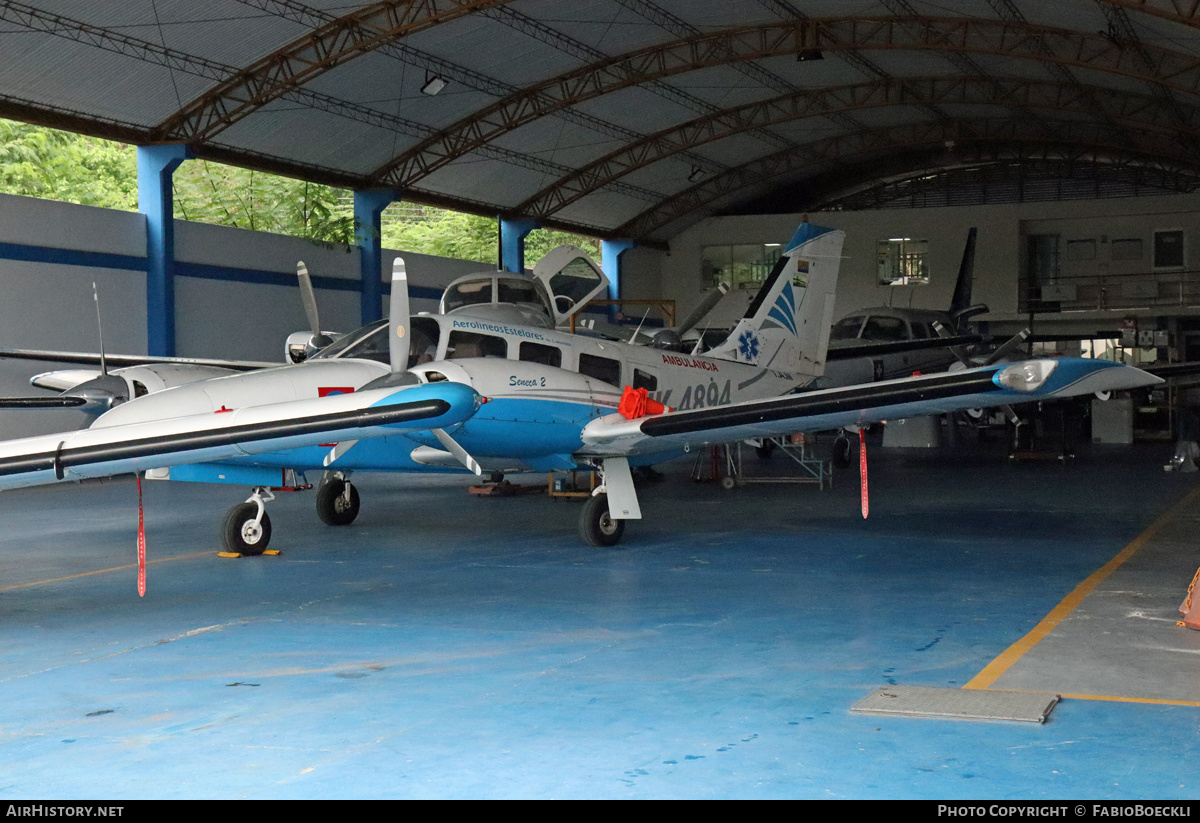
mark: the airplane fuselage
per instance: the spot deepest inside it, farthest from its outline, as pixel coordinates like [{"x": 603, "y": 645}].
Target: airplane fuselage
[{"x": 543, "y": 387}]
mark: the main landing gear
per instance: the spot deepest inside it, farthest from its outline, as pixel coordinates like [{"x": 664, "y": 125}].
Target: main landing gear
[
  {"x": 596, "y": 526},
  {"x": 602, "y": 521},
  {"x": 337, "y": 500}
]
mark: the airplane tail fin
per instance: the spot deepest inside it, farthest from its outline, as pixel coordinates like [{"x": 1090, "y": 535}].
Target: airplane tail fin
[
  {"x": 961, "y": 308},
  {"x": 787, "y": 324}
]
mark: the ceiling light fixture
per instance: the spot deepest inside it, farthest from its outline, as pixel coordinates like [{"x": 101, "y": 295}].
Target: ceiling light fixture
[
  {"x": 696, "y": 174},
  {"x": 433, "y": 84}
]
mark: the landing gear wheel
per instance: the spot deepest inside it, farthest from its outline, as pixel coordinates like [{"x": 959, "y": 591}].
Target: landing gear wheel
[
  {"x": 596, "y": 526},
  {"x": 841, "y": 452},
  {"x": 729, "y": 483},
  {"x": 241, "y": 534},
  {"x": 333, "y": 507}
]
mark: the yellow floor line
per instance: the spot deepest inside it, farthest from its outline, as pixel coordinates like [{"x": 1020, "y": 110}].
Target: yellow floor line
[
  {"x": 1013, "y": 653},
  {"x": 102, "y": 571}
]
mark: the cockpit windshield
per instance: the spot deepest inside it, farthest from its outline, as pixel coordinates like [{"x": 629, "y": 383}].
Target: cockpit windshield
[
  {"x": 371, "y": 343},
  {"x": 468, "y": 294}
]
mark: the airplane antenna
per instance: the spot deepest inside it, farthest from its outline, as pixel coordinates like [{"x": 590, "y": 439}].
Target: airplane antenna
[
  {"x": 633, "y": 336},
  {"x": 100, "y": 329}
]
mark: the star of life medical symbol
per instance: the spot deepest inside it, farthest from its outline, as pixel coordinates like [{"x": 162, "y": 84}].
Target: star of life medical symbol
[{"x": 748, "y": 345}]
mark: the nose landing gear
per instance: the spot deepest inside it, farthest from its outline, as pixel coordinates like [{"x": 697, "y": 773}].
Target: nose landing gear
[{"x": 247, "y": 528}]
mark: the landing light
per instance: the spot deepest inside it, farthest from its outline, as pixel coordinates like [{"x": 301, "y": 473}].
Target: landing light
[{"x": 1025, "y": 376}]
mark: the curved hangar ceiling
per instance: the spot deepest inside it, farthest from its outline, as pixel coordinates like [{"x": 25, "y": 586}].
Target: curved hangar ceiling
[{"x": 626, "y": 118}]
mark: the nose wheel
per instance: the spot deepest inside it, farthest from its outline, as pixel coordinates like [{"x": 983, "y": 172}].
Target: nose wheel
[{"x": 247, "y": 528}]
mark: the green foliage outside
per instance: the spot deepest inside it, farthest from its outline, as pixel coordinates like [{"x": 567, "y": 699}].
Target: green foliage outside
[{"x": 58, "y": 165}]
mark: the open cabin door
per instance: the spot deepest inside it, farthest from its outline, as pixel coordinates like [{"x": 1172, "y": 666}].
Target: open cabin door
[{"x": 571, "y": 278}]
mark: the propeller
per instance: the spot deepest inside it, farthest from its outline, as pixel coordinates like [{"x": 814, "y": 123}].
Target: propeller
[
  {"x": 673, "y": 338},
  {"x": 398, "y": 317},
  {"x": 701, "y": 310},
  {"x": 308, "y": 298},
  {"x": 94, "y": 396},
  {"x": 398, "y": 345}
]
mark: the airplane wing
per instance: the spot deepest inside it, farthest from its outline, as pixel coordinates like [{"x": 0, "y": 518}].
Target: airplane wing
[
  {"x": 862, "y": 349},
  {"x": 858, "y": 406},
  {"x": 101, "y": 451},
  {"x": 119, "y": 360}
]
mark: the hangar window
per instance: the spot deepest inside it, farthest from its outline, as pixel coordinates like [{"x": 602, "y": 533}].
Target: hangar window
[
  {"x": 738, "y": 267},
  {"x": 601, "y": 368},
  {"x": 1081, "y": 249},
  {"x": 1130, "y": 249},
  {"x": 1168, "y": 249},
  {"x": 537, "y": 353},
  {"x": 901, "y": 261},
  {"x": 469, "y": 344}
]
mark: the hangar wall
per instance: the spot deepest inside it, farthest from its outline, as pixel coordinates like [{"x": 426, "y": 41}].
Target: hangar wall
[
  {"x": 236, "y": 294},
  {"x": 999, "y": 256}
]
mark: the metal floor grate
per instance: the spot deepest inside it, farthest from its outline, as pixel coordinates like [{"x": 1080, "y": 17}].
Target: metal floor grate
[{"x": 962, "y": 704}]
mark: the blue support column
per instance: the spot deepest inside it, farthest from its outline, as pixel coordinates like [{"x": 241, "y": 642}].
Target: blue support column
[
  {"x": 610, "y": 264},
  {"x": 368, "y": 210},
  {"x": 512, "y": 243},
  {"x": 156, "y": 165}
]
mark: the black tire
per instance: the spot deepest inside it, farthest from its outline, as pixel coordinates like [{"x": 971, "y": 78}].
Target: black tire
[
  {"x": 841, "y": 452},
  {"x": 240, "y": 534},
  {"x": 596, "y": 527},
  {"x": 332, "y": 506}
]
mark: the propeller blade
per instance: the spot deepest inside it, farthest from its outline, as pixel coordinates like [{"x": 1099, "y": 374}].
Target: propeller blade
[
  {"x": 1012, "y": 343},
  {"x": 460, "y": 454},
  {"x": 307, "y": 297},
  {"x": 398, "y": 316},
  {"x": 958, "y": 351},
  {"x": 706, "y": 304}
]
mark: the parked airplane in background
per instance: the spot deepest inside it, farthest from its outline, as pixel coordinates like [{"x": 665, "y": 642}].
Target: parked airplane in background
[
  {"x": 466, "y": 390},
  {"x": 884, "y": 342}
]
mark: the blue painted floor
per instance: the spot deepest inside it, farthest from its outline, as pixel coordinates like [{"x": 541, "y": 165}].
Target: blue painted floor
[{"x": 452, "y": 646}]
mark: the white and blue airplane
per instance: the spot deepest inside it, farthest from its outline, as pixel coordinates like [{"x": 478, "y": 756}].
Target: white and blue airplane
[{"x": 465, "y": 391}]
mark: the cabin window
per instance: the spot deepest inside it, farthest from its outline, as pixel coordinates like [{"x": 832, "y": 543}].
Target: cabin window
[
  {"x": 423, "y": 342},
  {"x": 468, "y": 294},
  {"x": 537, "y": 353},
  {"x": 469, "y": 344},
  {"x": 644, "y": 380},
  {"x": 902, "y": 261},
  {"x": 601, "y": 368},
  {"x": 522, "y": 293},
  {"x": 884, "y": 328},
  {"x": 847, "y": 328},
  {"x": 575, "y": 280}
]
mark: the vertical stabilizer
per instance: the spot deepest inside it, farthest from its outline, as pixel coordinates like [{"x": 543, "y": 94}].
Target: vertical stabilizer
[
  {"x": 787, "y": 324},
  {"x": 961, "y": 308}
]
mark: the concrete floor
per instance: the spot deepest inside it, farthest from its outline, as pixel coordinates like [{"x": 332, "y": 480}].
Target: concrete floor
[{"x": 451, "y": 646}]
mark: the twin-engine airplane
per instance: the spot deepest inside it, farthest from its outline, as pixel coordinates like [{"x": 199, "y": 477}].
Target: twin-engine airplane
[{"x": 465, "y": 390}]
